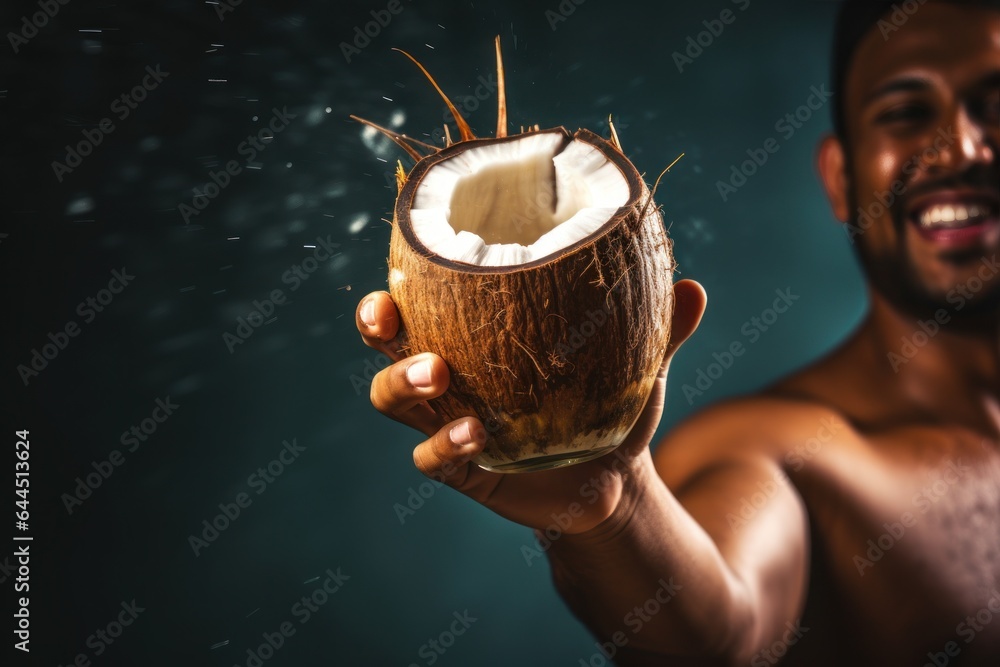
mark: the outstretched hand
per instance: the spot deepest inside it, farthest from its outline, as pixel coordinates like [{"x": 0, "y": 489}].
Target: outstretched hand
[{"x": 401, "y": 391}]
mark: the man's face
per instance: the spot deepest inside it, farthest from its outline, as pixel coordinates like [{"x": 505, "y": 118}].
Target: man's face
[{"x": 922, "y": 112}]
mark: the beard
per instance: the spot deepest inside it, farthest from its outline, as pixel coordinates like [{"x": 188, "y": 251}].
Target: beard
[{"x": 892, "y": 272}]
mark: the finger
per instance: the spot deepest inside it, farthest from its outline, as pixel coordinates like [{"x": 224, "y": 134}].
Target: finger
[
  {"x": 447, "y": 457},
  {"x": 401, "y": 390},
  {"x": 377, "y": 319}
]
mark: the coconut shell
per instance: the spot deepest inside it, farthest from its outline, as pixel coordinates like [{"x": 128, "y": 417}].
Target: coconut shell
[{"x": 557, "y": 357}]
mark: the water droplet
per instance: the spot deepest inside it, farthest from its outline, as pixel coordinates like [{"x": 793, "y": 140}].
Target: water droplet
[
  {"x": 149, "y": 144},
  {"x": 80, "y": 205},
  {"x": 359, "y": 222}
]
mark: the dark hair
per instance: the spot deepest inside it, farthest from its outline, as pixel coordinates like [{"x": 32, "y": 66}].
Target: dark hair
[{"x": 855, "y": 19}]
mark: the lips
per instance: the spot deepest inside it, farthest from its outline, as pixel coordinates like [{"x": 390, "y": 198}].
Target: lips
[{"x": 956, "y": 218}]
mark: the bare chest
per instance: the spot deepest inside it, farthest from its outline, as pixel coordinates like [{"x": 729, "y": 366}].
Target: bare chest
[{"x": 906, "y": 550}]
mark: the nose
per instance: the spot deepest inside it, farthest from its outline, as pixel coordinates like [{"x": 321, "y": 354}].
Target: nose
[{"x": 969, "y": 143}]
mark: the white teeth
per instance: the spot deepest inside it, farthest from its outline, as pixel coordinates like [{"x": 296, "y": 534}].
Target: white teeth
[{"x": 949, "y": 215}]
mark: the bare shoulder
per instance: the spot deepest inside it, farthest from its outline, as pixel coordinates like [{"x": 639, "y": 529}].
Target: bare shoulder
[
  {"x": 768, "y": 428},
  {"x": 832, "y": 401}
]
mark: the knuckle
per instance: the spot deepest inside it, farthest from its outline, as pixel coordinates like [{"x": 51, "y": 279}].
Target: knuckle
[
  {"x": 389, "y": 388},
  {"x": 422, "y": 459},
  {"x": 381, "y": 394}
]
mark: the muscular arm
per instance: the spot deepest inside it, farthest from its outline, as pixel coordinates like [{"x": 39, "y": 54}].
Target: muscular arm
[
  {"x": 735, "y": 587},
  {"x": 735, "y": 582}
]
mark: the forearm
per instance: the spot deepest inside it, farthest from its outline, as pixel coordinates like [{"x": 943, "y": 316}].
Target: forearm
[{"x": 649, "y": 578}]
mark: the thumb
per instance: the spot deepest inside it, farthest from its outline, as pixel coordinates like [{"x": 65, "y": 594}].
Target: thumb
[{"x": 689, "y": 305}]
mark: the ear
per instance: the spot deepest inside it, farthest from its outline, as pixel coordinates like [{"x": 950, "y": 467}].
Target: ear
[
  {"x": 831, "y": 162},
  {"x": 689, "y": 305}
]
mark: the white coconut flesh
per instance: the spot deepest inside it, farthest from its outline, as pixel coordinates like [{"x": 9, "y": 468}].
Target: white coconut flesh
[{"x": 513, "y": 202}]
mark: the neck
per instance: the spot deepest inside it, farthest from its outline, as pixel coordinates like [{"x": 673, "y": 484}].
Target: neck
[{"x": 943, "y": 366}]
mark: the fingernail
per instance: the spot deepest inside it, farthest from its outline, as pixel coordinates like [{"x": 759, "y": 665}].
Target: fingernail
[
  {"x": 461, "y": 434},
  {"x": 368, "y": 312},
  {"x": 419, "y": 374}
]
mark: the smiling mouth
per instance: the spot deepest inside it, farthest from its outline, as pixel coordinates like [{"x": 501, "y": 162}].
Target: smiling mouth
[
  {"x": 951, "y": 216},
  {"x": 956, "y": 218}
]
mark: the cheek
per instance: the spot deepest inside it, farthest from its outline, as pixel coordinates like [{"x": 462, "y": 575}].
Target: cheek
[
  {"x": 888, "y": 165},
  {"x": 879, "y": 184},
  {"x": 884, "y": 171},
  {"x": 885, "y": 163}
]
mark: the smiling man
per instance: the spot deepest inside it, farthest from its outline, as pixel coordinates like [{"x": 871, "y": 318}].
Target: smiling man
[{"x": 849, "y": 514}]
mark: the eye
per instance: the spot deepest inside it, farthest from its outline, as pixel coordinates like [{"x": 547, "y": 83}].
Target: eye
[{"x": 905, "y": 113}]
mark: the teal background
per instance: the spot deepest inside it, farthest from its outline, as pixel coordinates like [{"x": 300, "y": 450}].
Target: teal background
[{"x": 163, "y": 336}]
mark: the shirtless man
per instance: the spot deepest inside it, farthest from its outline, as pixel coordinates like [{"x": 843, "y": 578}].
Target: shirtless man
[{"x": 849, "y": 514}]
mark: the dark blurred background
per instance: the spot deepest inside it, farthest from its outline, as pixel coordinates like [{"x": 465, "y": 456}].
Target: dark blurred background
[{"x": 302, "y": 376}]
